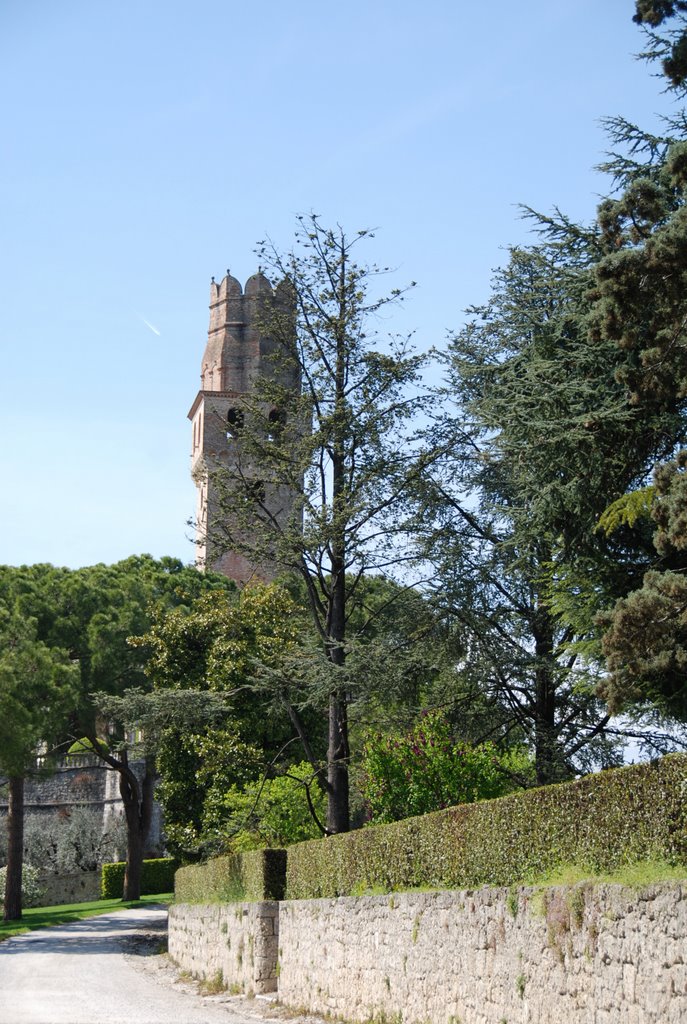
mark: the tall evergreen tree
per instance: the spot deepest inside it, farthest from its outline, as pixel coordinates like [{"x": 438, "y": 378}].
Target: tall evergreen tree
[
  {"x": 640, "y": 305},
  {"x": 542, "y": 435},
  {"x": 344, "y": 448}
]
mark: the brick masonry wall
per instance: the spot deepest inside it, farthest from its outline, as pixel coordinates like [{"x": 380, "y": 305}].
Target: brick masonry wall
[
  {"x": 580, "y": 955},
  {"x": 235, "y": 940}
]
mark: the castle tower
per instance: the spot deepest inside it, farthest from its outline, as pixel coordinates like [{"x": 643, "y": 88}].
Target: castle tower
[{"x": 237, "y": 354}]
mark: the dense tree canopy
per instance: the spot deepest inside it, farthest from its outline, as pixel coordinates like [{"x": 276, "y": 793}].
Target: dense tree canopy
[
  {"x": 526, "y": 404},
  {"x": 39, "y": 687},
  {"x": 82, "y": 619},
  {"x": 238, "y": 648}
]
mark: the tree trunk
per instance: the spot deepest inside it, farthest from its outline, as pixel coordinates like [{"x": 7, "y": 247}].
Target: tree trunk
[
  {"x": 546, "y": 755},
  {"x": 338, "y": 814},
  {"x": 134, "y": 850},
  {"x": 15, "y": 849},
  {"x": 138, "y": 806},
  {"x": 338, "y": 751}
]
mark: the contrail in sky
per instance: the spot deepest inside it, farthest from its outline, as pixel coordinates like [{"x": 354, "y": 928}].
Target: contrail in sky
[{"x": 151, "y": 326}]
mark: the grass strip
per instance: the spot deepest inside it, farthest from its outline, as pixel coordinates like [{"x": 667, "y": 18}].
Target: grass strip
[
  {"x": 46, "y": 917},
  {"x": 640, "y": 875}
]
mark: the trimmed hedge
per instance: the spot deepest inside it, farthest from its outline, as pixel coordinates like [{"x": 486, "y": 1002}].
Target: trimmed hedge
[
  {"x": 251, "y": 876},
  {"x": 157, "y": 876},
  {"x": 84, "y": 746},
  {"x": 599, "y": 823}
]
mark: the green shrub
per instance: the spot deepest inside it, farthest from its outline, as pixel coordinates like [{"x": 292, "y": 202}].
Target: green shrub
[
  {"x": 31, "y": 892},
  {"x": 250, "y": 876},
  {"x": 74, "y": 841},
  {"x": 271, "y": 812},
  {"x": 84, "y": 746},
  {"x": 600, "y": 823},
  {"x": 157, "y": 875}
]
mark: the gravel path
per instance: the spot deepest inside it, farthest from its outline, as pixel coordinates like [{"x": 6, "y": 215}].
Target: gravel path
[{"x": 101, "y": 971}]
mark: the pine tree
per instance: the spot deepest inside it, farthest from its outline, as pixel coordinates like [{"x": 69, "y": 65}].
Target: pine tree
[{"x": 541, "y": 437}]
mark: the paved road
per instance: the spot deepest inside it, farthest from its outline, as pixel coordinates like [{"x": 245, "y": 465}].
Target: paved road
[{"x": 87, "y": 973}]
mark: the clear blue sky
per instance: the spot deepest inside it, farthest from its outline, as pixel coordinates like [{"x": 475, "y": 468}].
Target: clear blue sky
[{"x": 148, "y": 145}]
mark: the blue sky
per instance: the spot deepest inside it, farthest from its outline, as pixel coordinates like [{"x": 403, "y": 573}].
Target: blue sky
[{"x": 147, "y": 146}]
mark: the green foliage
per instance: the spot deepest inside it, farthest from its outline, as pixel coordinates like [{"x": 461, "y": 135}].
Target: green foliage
[
  {"x": 570, "y": 385},
  {"x": 426, "y": 770},
  {"x": 85, "y": 746},
  {"x": 348, "y": 454},
  {"x": 31, "y": 891},
  {"x": 639, "y": 298},
  {"x": 271, "y": 812},
  {"x": 645, "y": 642},
  {"x": 112, "y": 880},
  {"x": 181, "y": 796},
  {"x": 646, "y": 646},
  {"x": 671, "y": 48},
  {"x": 233, "y": 648},
  {"x": 225, "y": 765},
  {"x": 216, "y": 641},
  {"x": 639, "y": 305},
  {"x": 600, "y": 822},
  {"x": 84, "y": 618},
  {"x": 249, "y": 876},
  {"x": 627, "y": 510},
  {"x": 38, "y": 690},
  {"x": 157, "y": 876},
  {"x": 92, "y": 612},
  {"x": 538, "y": 434}
]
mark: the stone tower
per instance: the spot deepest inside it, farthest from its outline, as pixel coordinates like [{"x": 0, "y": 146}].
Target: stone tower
[{"x": 236, "y": 355}]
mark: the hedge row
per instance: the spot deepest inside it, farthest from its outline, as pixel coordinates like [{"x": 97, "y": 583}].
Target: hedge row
[
  {"x": 251, "y": 876},
  {"x": 599, "y": 823},
  {"x": 157, "y": 876}
]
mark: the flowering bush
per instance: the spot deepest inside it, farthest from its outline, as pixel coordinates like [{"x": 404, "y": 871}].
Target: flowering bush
[
  {"x": 426, "y": 770},
  {"x": 31, "y": 891}
]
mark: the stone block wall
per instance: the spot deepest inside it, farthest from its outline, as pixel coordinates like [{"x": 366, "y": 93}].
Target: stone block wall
[
  {"x": 77, "y": 888},
  {"x": 237, "y": 941},
  {"x": 580, "y": 955}
]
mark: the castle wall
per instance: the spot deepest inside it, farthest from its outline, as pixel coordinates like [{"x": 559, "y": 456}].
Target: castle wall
[{"x": 82, "y": 781}]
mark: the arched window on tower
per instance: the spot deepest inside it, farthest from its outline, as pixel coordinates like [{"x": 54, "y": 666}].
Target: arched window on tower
[
  {"x": 234, "y": 423},
  {"x": 276, "y": 421}
]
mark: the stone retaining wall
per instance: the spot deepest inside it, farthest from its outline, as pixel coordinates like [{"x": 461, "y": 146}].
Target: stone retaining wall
[
  {"x": 581, "y": 955},
  {"x": 569, "y": 955},
  {"x": 237, "y": 941}
]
